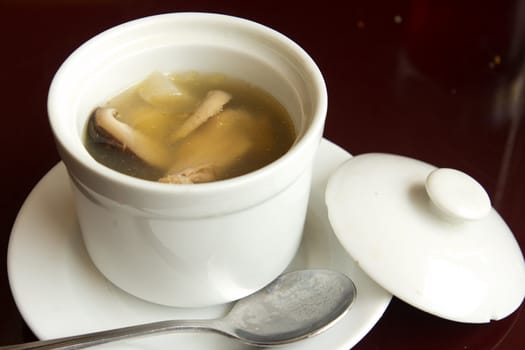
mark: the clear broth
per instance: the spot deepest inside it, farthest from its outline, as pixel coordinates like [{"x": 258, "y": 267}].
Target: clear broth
[{"x": 252, "y": 117}]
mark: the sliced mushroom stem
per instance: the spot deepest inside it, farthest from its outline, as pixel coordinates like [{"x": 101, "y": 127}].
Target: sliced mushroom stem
[
  {"x": 136, "y": 142},
  {"x": 212, "y": 104}
]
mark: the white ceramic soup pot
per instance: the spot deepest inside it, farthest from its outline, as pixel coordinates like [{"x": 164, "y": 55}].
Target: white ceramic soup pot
[{"x": 198, "y": 244}]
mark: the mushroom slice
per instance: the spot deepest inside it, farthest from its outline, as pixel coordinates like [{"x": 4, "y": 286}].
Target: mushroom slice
[
  {"x": 126, "y": 137},
  {"x": 212, "y": 104},
  {"x": 193, "y": 175}
]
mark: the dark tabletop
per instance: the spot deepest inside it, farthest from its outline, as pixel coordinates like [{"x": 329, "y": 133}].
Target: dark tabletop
[{"x": 439, "y": 81}]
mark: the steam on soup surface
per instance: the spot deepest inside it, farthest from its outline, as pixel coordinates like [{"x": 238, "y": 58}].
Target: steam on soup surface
[{"x": 189, "y": 128}]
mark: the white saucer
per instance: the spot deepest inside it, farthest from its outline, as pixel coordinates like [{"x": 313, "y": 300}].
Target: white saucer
[{"x": 59, "y": 292}]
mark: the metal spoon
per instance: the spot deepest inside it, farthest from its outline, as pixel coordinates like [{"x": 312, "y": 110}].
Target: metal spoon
[{"x": 295, "y": 306}]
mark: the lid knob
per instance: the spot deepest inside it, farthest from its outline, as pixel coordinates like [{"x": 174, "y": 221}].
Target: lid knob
[{"x": 457, "y": 195}]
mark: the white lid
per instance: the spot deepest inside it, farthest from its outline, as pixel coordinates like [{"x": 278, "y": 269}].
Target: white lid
[{"x": 429, "y": 236}]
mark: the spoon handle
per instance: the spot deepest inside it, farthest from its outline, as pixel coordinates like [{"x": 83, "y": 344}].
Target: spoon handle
[{"x": 102, "y": 337}]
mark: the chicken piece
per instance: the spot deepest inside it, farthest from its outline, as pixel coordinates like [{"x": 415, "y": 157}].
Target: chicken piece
[
  {"x": 193, "y": 175},
  {"x": 106, "y": 124},
  {"x": 212, "y": 104},
  {"x": 220, "y": 143}
]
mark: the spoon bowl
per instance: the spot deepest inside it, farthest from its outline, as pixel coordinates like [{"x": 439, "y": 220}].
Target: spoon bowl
[{"x": 295, "y": 306}]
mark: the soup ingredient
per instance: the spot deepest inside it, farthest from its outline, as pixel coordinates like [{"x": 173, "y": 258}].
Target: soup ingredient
[
  {"x": 219, "y": 144},
  {"x": 195, "y": 175},
  {"x": 160, "y": 91},
  {"x": 212, "y": 105},
  {"x": 106, "y": 124}
]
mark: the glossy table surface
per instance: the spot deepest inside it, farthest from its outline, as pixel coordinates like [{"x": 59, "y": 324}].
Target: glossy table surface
[{"x": 443, "y": 83}]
